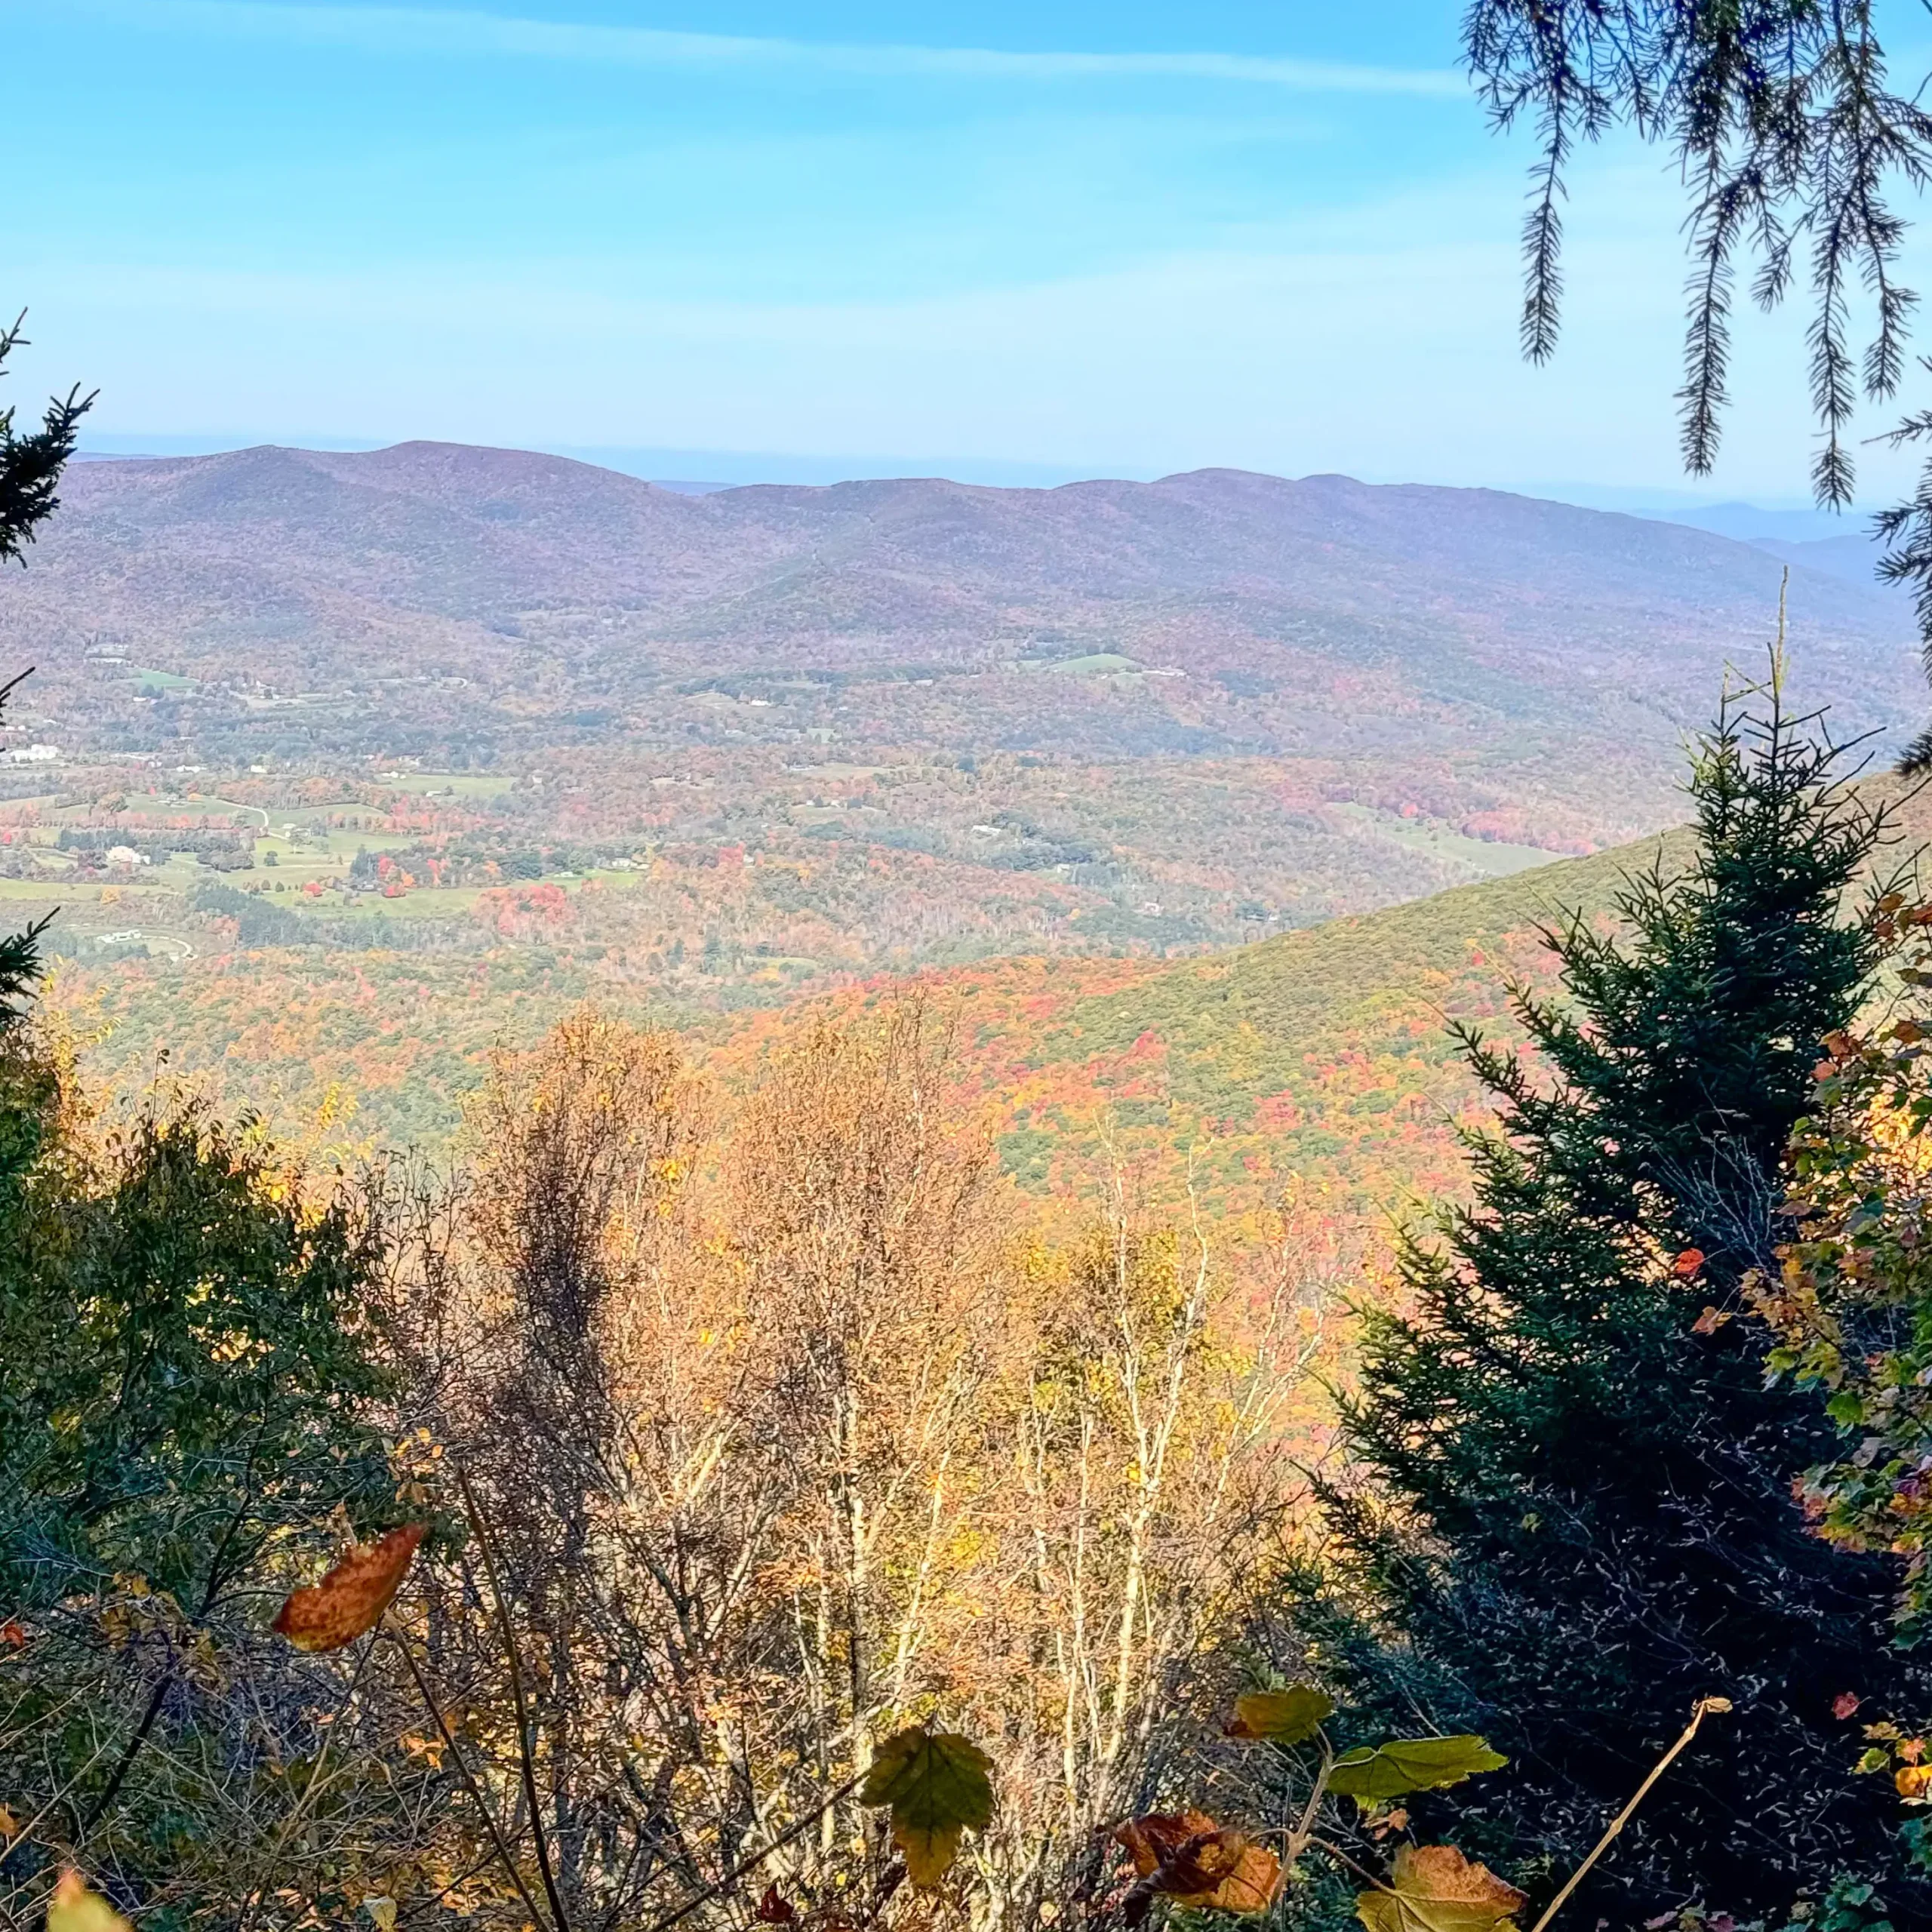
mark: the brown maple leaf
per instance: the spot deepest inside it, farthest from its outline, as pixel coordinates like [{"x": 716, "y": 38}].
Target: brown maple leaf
[{"x": 1185, "y": 1856}]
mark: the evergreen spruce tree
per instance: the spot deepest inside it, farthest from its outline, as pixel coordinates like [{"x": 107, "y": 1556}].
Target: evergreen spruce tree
[
  {"x": 1577, "y": 1511},
  {"x": 31, "y": 461},
  {"x": 30, "y": 465}
]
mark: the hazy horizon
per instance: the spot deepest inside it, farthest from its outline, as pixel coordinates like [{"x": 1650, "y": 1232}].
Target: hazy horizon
[{"x": 1792, "y": 517}]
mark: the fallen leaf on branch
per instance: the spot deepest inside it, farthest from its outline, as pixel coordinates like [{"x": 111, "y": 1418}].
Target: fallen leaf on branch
[
  {"x": 351, "y": 1598},
  {"x": 775, "y": 1909},
  {"x": 1434, "y": 1888}
]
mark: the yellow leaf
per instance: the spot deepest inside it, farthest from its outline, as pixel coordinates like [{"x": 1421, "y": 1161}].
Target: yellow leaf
[
  {"x": 1244, "y": 1877},
  {"x": 383, "y": 1910},
  {"x": 351, "y": 1598},
  {"x": 929, "y": 1851},
  {"x": 1434, "y": 1888},
  {"x": 74, "y": 1908},
  {"x": 1282, "y": 1717}
]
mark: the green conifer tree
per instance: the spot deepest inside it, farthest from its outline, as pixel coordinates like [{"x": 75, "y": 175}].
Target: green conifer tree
[
  {"x": 30, "y": 466},
  {"x": 1577, "y": 1508}
]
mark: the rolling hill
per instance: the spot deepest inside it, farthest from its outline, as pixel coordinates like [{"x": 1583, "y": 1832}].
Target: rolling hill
[
  {"x": 1320, "y": 1058},
  {"x": 955, "y": 721},
  {"x": 407, "y": 750},
  {"x": 318, "y": 603}
]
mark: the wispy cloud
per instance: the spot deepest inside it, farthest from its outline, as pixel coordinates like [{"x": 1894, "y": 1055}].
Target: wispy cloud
[{"x": 471, "y": 33}]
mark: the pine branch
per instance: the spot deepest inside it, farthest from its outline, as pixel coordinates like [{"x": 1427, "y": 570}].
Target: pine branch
[{"x": 31, "y": 464}]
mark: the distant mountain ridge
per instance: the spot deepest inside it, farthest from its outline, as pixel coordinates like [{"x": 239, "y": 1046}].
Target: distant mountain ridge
[
  {"x": 722, "y": 749},
  {"x": 1503, "y": 642},
  {"x": 449, "y": 531}
]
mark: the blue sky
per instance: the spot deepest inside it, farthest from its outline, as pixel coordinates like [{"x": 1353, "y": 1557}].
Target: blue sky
[{"x": 1008, "y": 240}]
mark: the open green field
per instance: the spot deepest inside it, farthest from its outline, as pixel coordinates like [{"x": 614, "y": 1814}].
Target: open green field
[
  {"x": 422, "y": 901},
  {"x": 450, "y": 784},
  {"x": 1095, "y": 664},
  {"x": 1491, "y": 857}
]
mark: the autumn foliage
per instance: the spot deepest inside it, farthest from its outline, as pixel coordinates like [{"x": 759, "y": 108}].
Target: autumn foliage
[
  {"x": 727, "y": 1496},
  {"x": 748, "y": 1499},
  {"x": 350, "y": 1600},
  {"x": 790, "y": 1421}
]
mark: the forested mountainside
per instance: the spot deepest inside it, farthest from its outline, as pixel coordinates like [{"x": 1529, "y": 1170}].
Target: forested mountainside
[
  {"x": 895, "y": 1065},
  {"x": 1321, "y": 1054},
  {"x": 349, "y": 765},
  {"x": 1195, "y": 1205},
  {"x": 953, "y": 722}
]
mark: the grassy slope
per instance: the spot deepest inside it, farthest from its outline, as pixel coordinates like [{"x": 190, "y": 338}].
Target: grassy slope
[{"x": 1320, "y": 1059}]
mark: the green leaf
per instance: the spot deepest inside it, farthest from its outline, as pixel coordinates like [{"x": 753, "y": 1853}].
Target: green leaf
[
  {"x": 937, "y": 1784},
  {"x": 1846, "y": 1408},
  {"x": 1410, "y": 1764},
  {"x": 1282, "y": 1717}
]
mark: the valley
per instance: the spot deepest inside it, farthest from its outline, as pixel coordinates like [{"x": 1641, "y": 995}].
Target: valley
[
  {"x": 338, "y": 770},
  {"x": 1150, "y": 1195}
]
